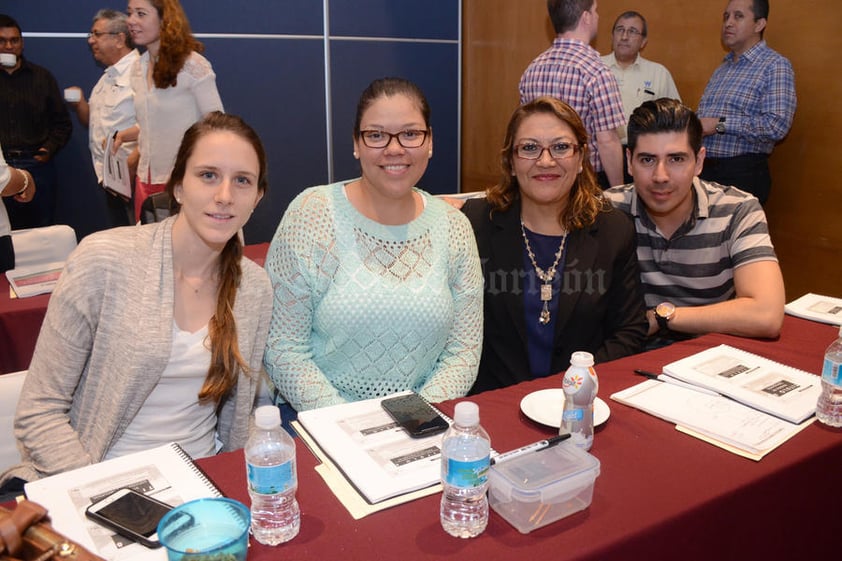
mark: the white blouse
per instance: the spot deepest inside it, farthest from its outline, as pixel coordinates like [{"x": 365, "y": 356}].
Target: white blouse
[{"x": 165, "y": 114}]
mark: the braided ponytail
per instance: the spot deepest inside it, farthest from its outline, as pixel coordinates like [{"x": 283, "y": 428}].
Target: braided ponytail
[{"x": 226, "y": 359}]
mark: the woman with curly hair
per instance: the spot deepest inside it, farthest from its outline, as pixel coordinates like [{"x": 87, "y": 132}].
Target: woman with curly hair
[
  {"x": 174, "y": 86},
  {"x": 560, "y": 266}
]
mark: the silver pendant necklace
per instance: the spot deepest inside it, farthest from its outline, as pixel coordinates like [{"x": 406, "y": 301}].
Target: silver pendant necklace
[{"x": 546, "y": 277}]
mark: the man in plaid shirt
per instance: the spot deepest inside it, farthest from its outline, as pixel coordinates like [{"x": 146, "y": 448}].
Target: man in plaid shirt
[
  {"x": 573, "y": 72},
  {"x": 748, "y": 104}
]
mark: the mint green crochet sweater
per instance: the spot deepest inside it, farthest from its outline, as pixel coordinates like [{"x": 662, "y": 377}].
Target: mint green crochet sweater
[{"x": 363, "y": 310}]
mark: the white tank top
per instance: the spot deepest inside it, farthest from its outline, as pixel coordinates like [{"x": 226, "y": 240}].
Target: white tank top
[{"x": 172, "y": 412}]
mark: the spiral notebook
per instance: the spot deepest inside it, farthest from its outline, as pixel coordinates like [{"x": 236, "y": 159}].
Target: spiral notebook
[
  {"x": 166, "y": 472},
  {"x": 756, "y": 381}
]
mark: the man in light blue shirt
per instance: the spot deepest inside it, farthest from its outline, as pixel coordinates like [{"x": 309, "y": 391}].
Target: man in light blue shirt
[{"x": 748, "y": 104}]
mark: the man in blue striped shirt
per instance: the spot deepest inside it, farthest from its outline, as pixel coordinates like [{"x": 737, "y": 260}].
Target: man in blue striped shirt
[
  {"x": 706, "y": 259},
  {"x": 748, "y": 104}
]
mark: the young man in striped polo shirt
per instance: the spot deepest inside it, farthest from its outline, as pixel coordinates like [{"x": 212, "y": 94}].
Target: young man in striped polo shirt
[{"x": 706, "y": 259}]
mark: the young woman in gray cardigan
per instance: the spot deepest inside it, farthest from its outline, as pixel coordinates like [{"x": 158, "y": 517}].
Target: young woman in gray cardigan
[{"x": 156, "y": 333}]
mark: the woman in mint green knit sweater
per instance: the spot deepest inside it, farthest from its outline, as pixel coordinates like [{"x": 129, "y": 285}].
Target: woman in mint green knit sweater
[{"x": 378, "y": 286}]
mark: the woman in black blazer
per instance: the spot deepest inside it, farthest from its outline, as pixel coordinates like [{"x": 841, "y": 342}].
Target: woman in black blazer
[{"x": 559, "y": 263}]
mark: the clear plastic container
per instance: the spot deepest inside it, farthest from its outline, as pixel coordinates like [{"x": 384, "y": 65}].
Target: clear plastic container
[{"x": 536, "y": 489}]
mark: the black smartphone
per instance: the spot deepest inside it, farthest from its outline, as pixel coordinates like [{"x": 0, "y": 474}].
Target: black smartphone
[
  {"x": 415, "y": 415},
  {"x": 131, "y": 514}
]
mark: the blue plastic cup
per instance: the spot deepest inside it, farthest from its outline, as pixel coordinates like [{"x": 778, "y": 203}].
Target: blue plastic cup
[{"x": 206, "y": 529}]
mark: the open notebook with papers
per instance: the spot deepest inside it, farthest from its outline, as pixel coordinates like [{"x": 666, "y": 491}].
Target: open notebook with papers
[
  {"x": 377, "y": 456},
  {"x": 713, "y": 418},
  {"x": 166, "y": 473}
]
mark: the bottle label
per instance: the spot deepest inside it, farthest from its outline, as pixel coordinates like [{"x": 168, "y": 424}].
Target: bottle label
[
  {"x": 270, "y": 480},
  {"x": 467, "y": 474},
  {"x": 580, "y": 382},
  {"x": 831, "y": 372},
  {"x": 573, "y": 415},
  {"x": 573, "y": 381}
]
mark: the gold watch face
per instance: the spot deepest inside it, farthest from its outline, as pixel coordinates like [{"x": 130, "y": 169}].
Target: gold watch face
[{"x": 665, "y": 310}]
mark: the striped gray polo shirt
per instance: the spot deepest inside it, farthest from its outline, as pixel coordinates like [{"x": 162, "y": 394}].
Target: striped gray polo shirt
[{"x": 695, "y": 267}]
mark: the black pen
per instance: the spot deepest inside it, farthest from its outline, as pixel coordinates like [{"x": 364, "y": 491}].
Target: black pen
[
  {"x": 534, "y": 447},
  {"x": 670, "y": 380}
]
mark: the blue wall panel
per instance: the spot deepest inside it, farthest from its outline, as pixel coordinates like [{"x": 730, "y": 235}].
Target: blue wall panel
[
  {"x": 354, "y": 64},
  {"x": 278, "y": 88},
  {"x": 298, "y": 17},
  {"x": 276, "y": 81},
  {"x": 395, "y": 18},
  {"x": 289, "y": 17}
]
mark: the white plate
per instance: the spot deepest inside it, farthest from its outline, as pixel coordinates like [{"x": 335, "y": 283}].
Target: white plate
[{"x": 545, "y": 407}]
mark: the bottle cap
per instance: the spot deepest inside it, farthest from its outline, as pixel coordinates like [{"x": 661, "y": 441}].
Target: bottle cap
[
  {"x": 466, "y": 414},
  {"x": 581, "y": 358},
  {"x": 267, "y": 417}
]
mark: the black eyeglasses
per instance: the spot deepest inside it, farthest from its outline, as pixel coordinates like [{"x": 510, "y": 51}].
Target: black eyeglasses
[
  {"x": 99, "y": 34},
  {"x": 381, "y": 139},
  {"x": 534, "y": 151}
]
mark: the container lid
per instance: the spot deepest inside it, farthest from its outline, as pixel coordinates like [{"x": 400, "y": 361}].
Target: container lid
[
  {"x": 267, "y": 416},
  {"x": 581, "y": 358},
  {"x": 545, "y": 473},
  {"x": 466, "y": 414}
]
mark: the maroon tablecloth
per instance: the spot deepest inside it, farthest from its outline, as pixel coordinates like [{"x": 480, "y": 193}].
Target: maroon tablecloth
[
  {"x": 20, "y": 322},
  {"x": 661, "y": 494},
  {"x": 21, "y": 318}
]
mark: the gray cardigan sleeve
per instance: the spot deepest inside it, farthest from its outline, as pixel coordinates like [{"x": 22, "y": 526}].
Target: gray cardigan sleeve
[{"x": 42, "y": 424}]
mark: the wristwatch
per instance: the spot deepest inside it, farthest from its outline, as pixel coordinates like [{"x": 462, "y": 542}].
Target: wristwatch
[
  {"x": 720, "y": 126},
  {"x": 663, "y": 313}
]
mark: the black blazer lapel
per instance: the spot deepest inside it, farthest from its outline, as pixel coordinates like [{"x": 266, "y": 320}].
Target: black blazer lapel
[{"x": 507, "y": 259}]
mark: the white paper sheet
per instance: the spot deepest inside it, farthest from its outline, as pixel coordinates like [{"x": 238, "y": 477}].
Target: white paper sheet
[{"x": 115, "y": 171}]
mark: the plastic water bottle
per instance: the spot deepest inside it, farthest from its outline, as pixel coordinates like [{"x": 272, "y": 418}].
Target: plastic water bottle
[
  {"x": 580, "y": 386},
  {"x": 829, "y": 406},
  {"x": 465, "y": 460},
  {"x": 272, "y": 480}
]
